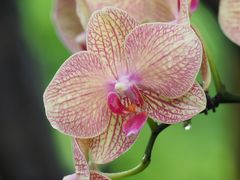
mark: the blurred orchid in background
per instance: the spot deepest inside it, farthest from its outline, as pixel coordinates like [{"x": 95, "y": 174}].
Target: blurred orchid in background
[
  {"x": 71, "y": 16},
  {"x": 103, "y": 96},
  {"x": 229, "y": 19},
  {"x": 193, "y": 5}
]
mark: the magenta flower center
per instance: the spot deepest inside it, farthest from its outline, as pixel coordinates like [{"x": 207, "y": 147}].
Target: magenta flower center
[
  {"x": 124, "y": 97},
  {"x": 126, "y": 100}
]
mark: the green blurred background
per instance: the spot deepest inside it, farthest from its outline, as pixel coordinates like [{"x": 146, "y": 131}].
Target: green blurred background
[{"x": 209, "y": 151}]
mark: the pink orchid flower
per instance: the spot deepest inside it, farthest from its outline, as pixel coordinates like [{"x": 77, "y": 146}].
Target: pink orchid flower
[
  {"x": 71, "y": 16},
  {"x": 129, "y": 73},
  {"x": 229, "y": 19}
]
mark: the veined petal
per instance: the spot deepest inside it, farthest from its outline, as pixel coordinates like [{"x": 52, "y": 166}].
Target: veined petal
[
  {"x": 82, "y": 169},
  {"x": 112, "y": 143},
  {"x": 80, "y": 152},
  {"x": 95, "y": 175},
  {"x": 167, "y": 57},
  {"x": 172, "y": 111},
  {"x": 229, "y": 19},
  {"x": 107, "y": 30},
  {"x": 67, "y": 24},
  {"x": 205, "y": 72},
  {"x": 141, "y": 10},
  {"x": 75, "y": 100}
]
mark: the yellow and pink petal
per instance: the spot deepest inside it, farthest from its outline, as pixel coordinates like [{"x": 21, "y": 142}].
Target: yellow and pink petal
[
  {"x": 81, "y": 155},
  {"x": 107, "y": 30},
  {"x": 68, "y": 25},
  {"x": 102, "y": 149},
  {"x": 112, "y": 143},
  {"x": 229, "y": 19},
  {"x": 141, "y": 10},
  {"x": 166, "y": 57},
  {"x": 75, "y": 100},
  {"x": 94, "y": 175},
  {"x": 171, "y": 111},
  {"x": 145, "y": 10}
]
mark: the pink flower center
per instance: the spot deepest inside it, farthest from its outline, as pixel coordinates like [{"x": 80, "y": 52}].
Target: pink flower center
[
  {"x": 124, "y": 91},
  {"x": 126, "y": 100}
]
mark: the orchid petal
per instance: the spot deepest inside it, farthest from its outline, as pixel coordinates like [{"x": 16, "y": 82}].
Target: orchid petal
[
  {"x": 135, "y": 123},
  {"x": 68, "y": 24},
  {"x": 172, "y": 111},
  {"x": 75, "y": 100},
  {"x": 83, "y": 12},
  {"x": 112, "y": 143},
  {"x": 80, "y": 152},
  {"x": 82, "y": 168},
  {"x": 167, "y": 57},
  {"x": 98, "y": 176},
  {"x": 93, "y": 176},
  {"x": 229, "y": 19},
  {"x": 141, "y": 10},
  {"x": 107, "y": 30},
  {"x": 205, "y": 72}
]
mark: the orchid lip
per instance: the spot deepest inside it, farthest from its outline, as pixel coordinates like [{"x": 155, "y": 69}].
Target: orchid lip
[
  {"x": 135, "y": 118},
  {"x": 124, "y": 88},
  {"x": 135, "y": 123},
  {"x": 115, "y": 105}
]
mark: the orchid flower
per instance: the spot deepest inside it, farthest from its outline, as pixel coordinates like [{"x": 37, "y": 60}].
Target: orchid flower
[
  {"x": 71, "y": 19},
  {"x": 71, "y": 16},
  {"x": 229, "y": 19},
  {"x": 129, "y": 73}
]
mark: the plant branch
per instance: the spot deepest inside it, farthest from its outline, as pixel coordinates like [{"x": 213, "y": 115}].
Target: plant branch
[
  {"x": 216, "y": 77},
  {"x": 226, "y": 97},
  {"x": 146, "y": 158}
]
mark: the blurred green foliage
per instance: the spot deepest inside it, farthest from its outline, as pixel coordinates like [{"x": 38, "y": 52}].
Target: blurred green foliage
[{"x": 206, "y": 152}]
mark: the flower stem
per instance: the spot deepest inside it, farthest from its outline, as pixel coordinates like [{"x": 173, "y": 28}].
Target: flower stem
[
  {"x": 216, "y": 77},
  {"x": 146, "y": 158},
  {"x": 223, "y": 96}
]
